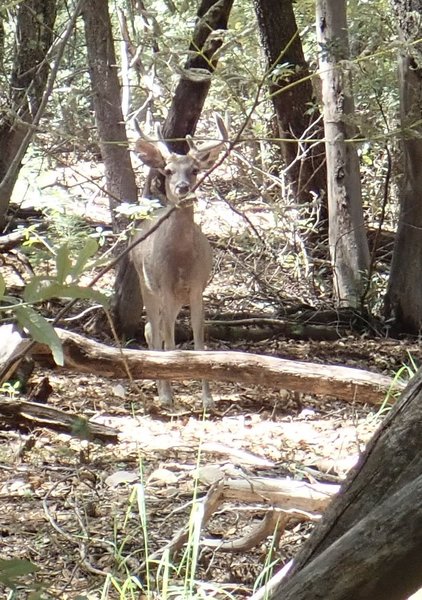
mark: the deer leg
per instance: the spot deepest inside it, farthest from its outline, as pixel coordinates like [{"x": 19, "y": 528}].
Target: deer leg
[
  {"x": 168, "y": 316},
  {"x": 165, "y": 393},
  {"x": 168, "y": 321},
  {"x": 197, "y": 320},
  {"x": 154, "y": 337}
]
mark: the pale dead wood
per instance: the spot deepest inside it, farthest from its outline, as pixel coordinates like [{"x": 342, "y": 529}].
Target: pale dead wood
[
  {"x": 265, "y": 591},
  {"x": 273, "y": 523},
  {"x": 287, "y": 500},
  {"x": 345, "y": 383},
  {"x": 12, "y": 344},
  {"x": 290, "y": 495}
]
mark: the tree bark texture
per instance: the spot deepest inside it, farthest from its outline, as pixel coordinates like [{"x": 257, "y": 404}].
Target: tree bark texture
[
  {"x": 120, "y": 178},
  {"x": 34, "y": 35},
  {"x": 380, "y": 558},
  {"x": 403, "y": 302},
  {"x": 194, "y": 84},
  {"x": 347, "y": 238},
  {"x": 392, "y": 460},
  {"x": 182, "y": 118},
  {"x": 281, "y": 42}
]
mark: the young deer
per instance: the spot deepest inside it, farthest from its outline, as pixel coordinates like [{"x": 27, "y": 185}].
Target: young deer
[{"x": 174, "y": 262}]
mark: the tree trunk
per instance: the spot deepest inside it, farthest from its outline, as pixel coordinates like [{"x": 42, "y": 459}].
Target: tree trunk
[
  {"x": 391, "y": 461},
  {"x": 120, "y": 178},
  {"x": 379, "y": 558},
  {"x": 347, "y": 238},
  {"x": 282, "y": 44},
  {"x": 34, "y": 36},
  {"x": 181, "y": 120},
  {"x": 403, "y": 302},
  {"x": 195, "y": 82}
]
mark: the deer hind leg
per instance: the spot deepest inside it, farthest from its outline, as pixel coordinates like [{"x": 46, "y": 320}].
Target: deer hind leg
[
  {"x": 197, "y": 320},
  {"x": 155, "y": 339}
]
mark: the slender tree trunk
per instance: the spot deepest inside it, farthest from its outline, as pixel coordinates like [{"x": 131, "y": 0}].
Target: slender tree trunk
[
  {"x": 347, "y": 237},
  {"x": 403, "y": 302},
  {"x": 184, "y": 113},
  {"x": 282, "y": 44},
  {"x": 34, "y": 36},
  {"x": 120, "y": 178},
  {"x": 195, "y": 82}
]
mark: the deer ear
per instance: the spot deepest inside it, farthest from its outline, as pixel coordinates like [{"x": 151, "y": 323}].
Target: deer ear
[
  {"x": 150, "y": 154},
  {"x": 208, "y": 157}
]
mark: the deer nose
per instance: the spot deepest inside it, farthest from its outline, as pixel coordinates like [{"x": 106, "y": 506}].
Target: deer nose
[{"x": 182, "y": 189}]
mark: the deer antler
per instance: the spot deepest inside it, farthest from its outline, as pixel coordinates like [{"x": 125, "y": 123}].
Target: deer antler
[
  {"x": 158, "y": 140},
  {"x": 208, "y": 146}
]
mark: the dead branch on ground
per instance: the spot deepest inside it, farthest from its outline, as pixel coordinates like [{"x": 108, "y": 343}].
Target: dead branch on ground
[{"x": 346, "y": 383}]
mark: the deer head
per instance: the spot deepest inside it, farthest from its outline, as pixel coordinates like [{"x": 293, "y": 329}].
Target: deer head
[{"x": 181, "y": 170}]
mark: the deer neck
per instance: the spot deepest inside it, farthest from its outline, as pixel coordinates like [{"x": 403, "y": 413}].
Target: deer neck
[
  {"x": 181, "y": 229},
  {"x": 184, "y": 211}
]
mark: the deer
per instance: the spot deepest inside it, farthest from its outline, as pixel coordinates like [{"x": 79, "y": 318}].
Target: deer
[{"x": 174, "y": 262}]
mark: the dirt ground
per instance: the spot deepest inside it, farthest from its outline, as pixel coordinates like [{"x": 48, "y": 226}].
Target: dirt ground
[
  {"x": 69, "y": 507},
  {"x": 78, "y": 510}
]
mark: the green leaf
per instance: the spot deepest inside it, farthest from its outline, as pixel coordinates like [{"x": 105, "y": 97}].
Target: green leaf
[
  {"x": 8, "y": 303},
  {"x": 34, "y": 291},
  {"x": 77, "y": 291},
  {"x": 81, "y": 429},
  {"x": 2, "y": 285},
  {"x": 51, "y": 289},
  {"x": 40, "y": 330},
  {"x": 88, "y": 251},
  {"x": 15, "y": 567},
  {"x": 37, "y": 595},
  {"x": 63, "y": 263}
]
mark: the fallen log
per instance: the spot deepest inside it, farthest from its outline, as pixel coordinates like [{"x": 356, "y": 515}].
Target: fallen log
[
  {"x": 20, "y": 413},
  {"x": 13, "y": 239},
  {"x": 345, "y": 383},
  {"x": 286, "y": 494}
]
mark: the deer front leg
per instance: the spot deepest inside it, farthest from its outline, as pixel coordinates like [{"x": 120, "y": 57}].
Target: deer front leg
[
  {"x": 197, "y": 320},
  {"x": 155, "y": 339}
]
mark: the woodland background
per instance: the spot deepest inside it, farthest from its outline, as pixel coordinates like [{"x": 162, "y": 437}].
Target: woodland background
[{"x": 314, "y": 213}]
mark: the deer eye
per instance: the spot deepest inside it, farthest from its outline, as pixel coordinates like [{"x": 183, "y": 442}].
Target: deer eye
[
  {"x": 195, "y": 171},
  {"x": 168, "y": 172}
]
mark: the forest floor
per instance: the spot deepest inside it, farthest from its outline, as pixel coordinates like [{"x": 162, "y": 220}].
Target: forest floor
[{"x": 74, "y": 508}]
